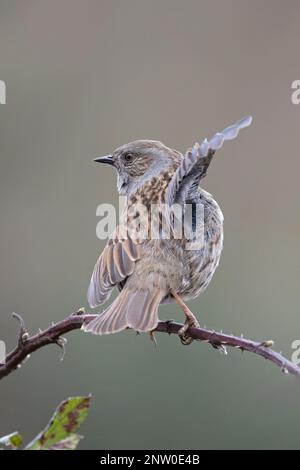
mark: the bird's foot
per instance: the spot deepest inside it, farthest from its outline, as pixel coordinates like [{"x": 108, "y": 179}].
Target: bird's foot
[
  {"x": 182, "y": 333},
  {"x": 190, "y": 320}
]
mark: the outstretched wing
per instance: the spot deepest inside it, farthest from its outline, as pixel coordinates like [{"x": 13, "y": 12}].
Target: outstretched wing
[
  {"x": 196, "y": 161},
  {"x": 114, "y": 265}
]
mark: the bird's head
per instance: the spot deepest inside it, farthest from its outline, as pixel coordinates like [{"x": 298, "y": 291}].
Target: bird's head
[{"x": 139, "y": 161}]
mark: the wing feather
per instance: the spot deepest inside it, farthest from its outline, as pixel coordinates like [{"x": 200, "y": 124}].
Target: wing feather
[
  {"x": 196, "y": 161},
  {"x": 115, "y": 264}
]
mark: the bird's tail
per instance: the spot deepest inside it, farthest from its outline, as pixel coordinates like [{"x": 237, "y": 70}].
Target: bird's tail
[{"x": 131, "y": 309}]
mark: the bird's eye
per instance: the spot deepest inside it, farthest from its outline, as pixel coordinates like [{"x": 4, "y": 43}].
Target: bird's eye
[{"x": 128, "y": 157}]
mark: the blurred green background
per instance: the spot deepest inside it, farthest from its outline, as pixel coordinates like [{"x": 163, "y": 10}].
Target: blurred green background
[{"x": 84, "y": 77}]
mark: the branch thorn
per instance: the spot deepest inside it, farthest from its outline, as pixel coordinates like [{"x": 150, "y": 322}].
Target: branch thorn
[
  {"x": 23, "y": 333},
  {"x": 61, "y": 342},
  {"x": 267, "y": 344},
  {"x": 80, "y": 311}
]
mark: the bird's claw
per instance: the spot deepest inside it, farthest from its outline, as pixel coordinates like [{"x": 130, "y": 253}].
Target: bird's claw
[{"x": 185, "y": 339}]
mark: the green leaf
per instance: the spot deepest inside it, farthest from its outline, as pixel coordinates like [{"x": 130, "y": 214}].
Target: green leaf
[
  {"x": 60, "y": 434},
  {"x": 13, "y": 441},
  {"x": 69, "y": 443}
]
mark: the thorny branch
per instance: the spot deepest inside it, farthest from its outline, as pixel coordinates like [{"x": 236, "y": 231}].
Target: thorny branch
[{"x": 53, "y": 335}]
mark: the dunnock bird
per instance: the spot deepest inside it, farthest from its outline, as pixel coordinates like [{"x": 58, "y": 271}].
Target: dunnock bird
[{"x": 152, "y": 271}]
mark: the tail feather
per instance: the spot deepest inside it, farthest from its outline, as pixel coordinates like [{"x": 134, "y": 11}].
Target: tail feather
[
  {"x": 131, "y": 309},
  {"x": 142, "y": 310}
]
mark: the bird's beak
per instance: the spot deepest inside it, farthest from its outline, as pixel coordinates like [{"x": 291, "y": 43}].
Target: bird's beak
[{"x": 107, "y": 159}]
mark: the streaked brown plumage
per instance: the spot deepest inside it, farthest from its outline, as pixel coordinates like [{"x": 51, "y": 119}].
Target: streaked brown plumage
[{"x": 150, "y": 271}]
